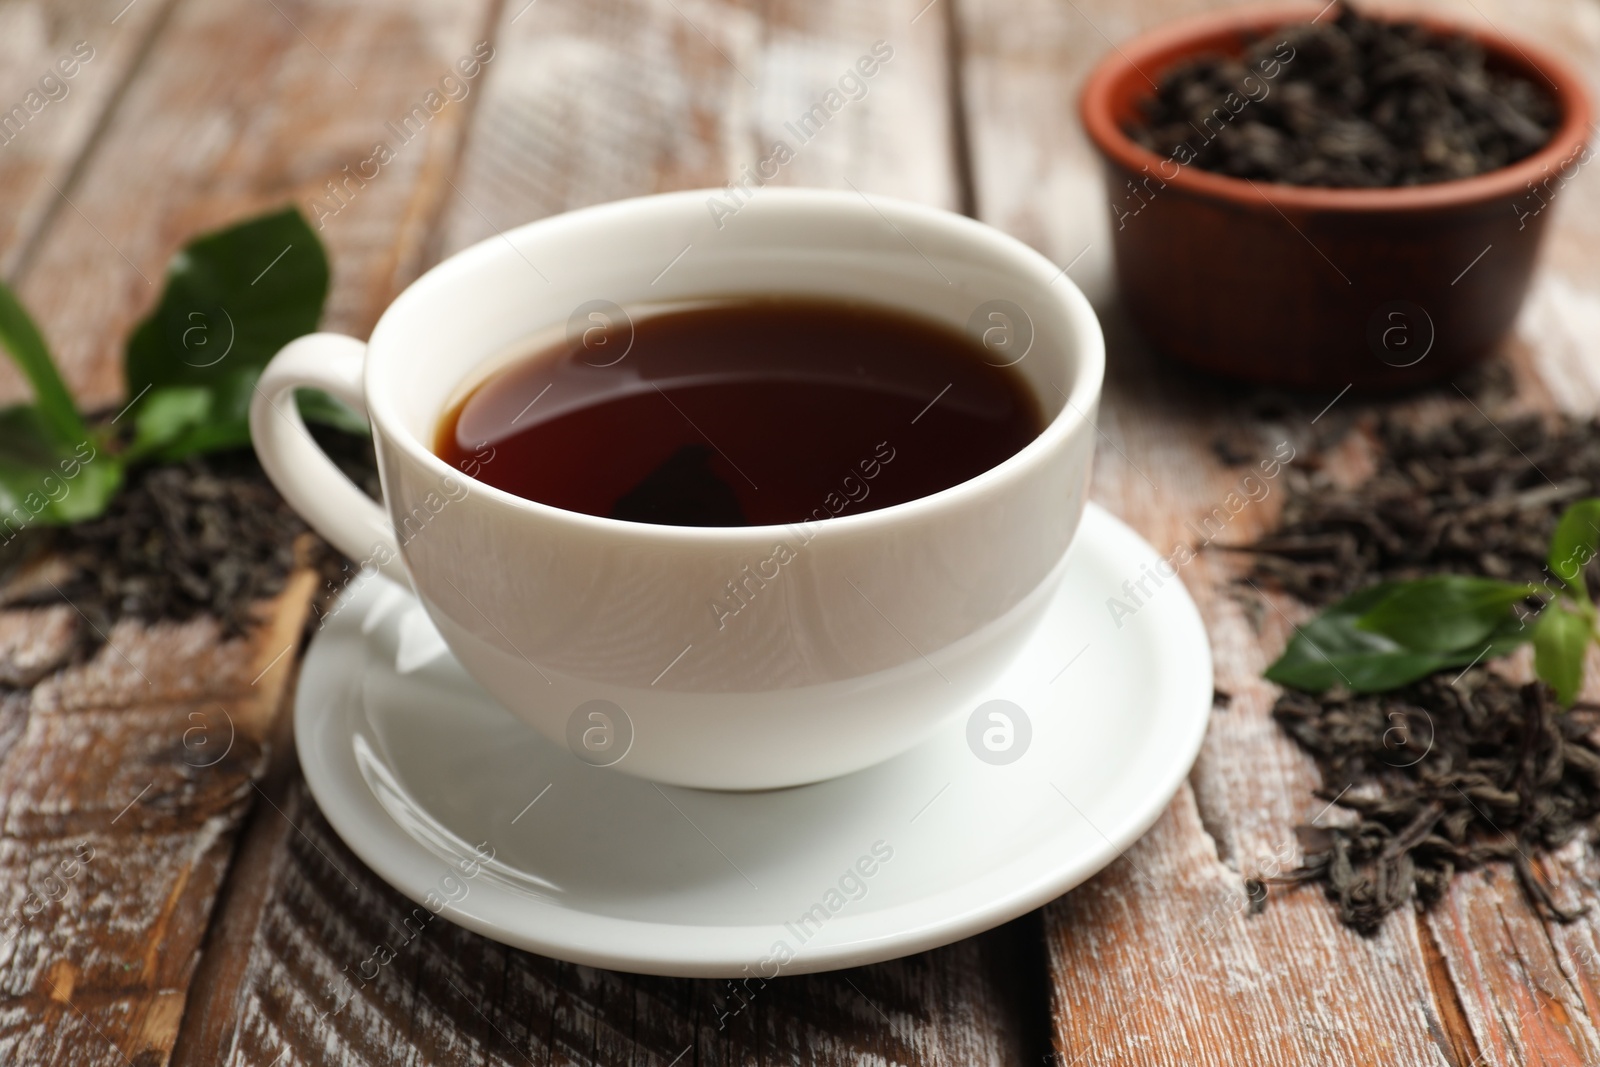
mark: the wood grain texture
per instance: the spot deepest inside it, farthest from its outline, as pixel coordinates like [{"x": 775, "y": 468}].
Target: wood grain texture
[
  {"x": 1482, "y": 980},
  {"x": 1504, "y": 966},
  {"x": 601, "y": 101},
  {"x": 50, "y": 123},
  {"x": 124, "y": 779},
  {"x": 230, "y": 109},
  {"x": 588, "y": 102},
  {"x": 242, "y": 106},
  {"x": 43, "y": 145}
]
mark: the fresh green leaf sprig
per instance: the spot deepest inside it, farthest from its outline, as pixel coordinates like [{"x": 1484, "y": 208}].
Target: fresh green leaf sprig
[
  {"x": 1394, "y": 633},
  {"x": 51, "y": 461},
  {"x": 1565, "y": 627},
  {"x": 232, "y": 298}
]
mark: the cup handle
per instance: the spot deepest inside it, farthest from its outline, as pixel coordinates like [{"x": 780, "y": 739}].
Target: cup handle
[{"x": 350, "y": 520}]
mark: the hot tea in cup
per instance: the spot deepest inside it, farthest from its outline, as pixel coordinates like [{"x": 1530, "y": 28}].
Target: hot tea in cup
[{"x": 763, "y": 411}]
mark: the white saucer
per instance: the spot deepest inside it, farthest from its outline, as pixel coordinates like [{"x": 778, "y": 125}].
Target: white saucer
[{"x": 414, "y": 765}]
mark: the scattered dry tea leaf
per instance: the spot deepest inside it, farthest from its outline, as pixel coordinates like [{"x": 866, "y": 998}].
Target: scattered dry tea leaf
[
  {"x": 1464, "y": 497},
  {"x": 1444, "y": 775},
  {"x": 1456, "y": 769},
  {"x": 209, "y": 535}
]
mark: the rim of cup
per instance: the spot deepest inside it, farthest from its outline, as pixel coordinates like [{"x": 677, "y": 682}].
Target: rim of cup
[{"x": 1085, "y": 347}]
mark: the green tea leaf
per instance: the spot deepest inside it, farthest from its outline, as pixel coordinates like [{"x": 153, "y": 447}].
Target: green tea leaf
[
  {"x": 1574, "y": 544},
  {"x": 53, "y": 469},
  {"x": 1321, "y": 650},
  {"x": 26, "y": 345},
  {"x": 1332, "y": 649},
  {"x": 1560, "y": 641},
  {"x": 49, "y": 480},
  {"x": 232, "y": 299},
  {"x": 168, "y": 415},
  {"x": 1444, "y": 613},
  {"x": 317, "y": 406}
]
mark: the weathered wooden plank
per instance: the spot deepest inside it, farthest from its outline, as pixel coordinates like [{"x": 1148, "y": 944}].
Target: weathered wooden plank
[
  {"x": 1288, "y": 985},
  {"x": 1504, "y": 966},
  {"x": 1576, "y": 946},
  {"x": 32, "y": 643},
  {"x": 123, "y": 781},
  {"x": 231, "y": 111},
  {"x": 588, "y": 102},
  {"x": 64, "y": 67},
  {"x": 629, "y": 97},
  {"x": 242, "y": 106},
  {"x": 1164, "y": 960}
]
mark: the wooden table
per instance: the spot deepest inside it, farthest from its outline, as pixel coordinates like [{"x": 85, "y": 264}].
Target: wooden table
[{"x": 211, "y": 910}]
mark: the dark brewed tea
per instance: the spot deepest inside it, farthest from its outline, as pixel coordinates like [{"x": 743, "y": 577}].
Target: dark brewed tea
[{"x": 752, "y": 412}]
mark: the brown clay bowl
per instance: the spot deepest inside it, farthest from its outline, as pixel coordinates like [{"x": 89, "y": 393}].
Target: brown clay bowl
[{"x": 1316, "y": 288}]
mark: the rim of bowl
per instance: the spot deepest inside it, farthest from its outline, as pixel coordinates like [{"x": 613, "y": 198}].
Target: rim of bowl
[
  {"x": 1185, "y": 38},
  {"x": 1082, "y": 395}
]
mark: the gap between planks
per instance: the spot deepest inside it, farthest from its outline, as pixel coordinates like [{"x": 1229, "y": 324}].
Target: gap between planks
[
  {"x": 26, "y": 245},
  {"x": 208, "y": 1023}
]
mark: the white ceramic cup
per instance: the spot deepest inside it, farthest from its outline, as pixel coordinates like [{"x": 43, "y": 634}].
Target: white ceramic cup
[{"x": 854, "y": 637}]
